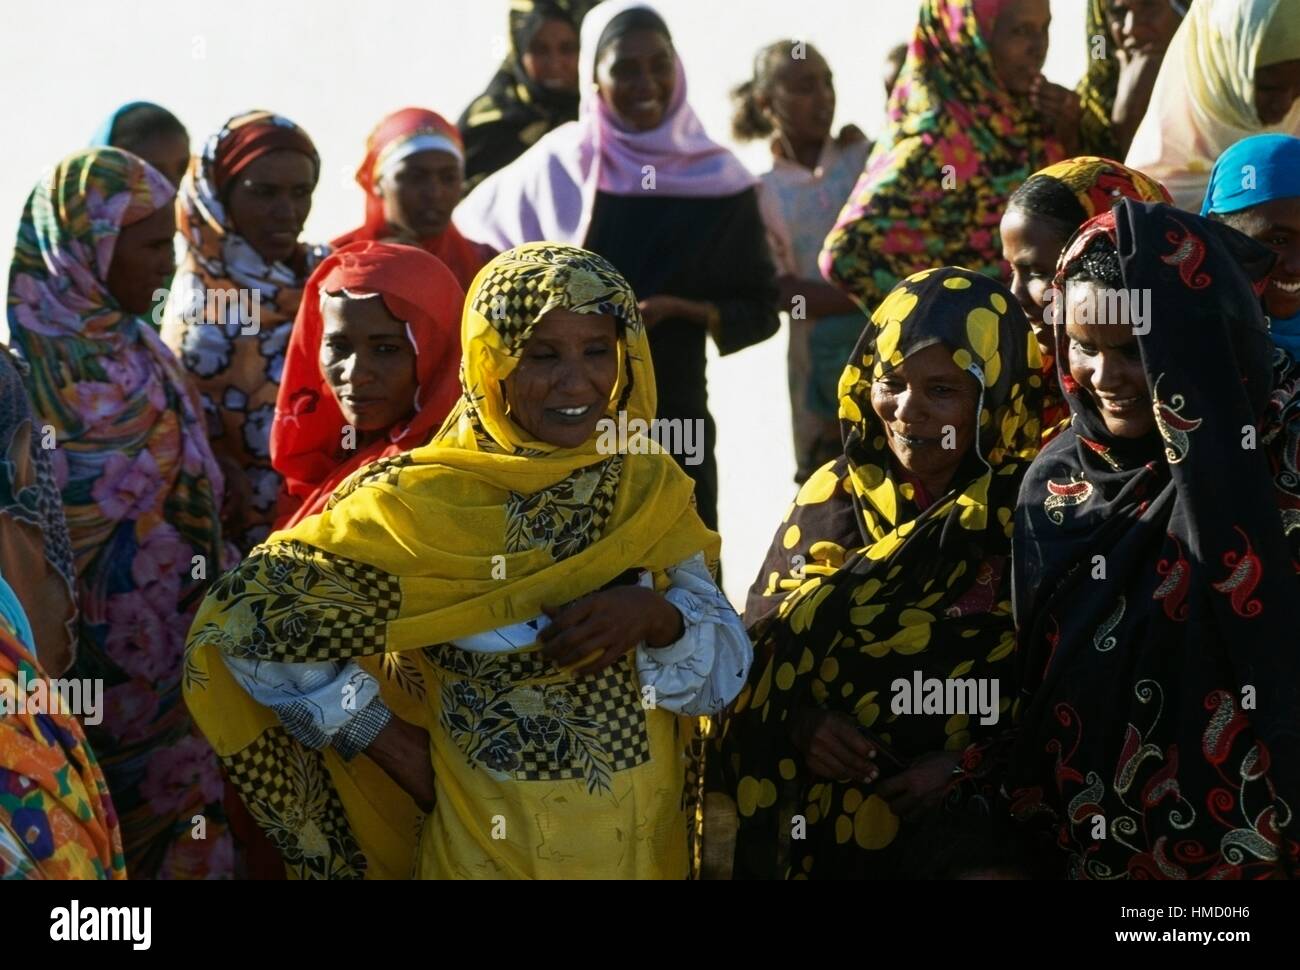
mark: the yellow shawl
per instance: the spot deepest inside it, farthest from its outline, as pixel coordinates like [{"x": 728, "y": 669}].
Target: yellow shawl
[{"x": 475, "y": 530}]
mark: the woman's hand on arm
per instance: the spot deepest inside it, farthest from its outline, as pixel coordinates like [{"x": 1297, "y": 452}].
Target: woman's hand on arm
[
  {"x": 401, "y": 749},
  {"x": 656, "y": 309},
  {"x": 921, "y": 785},
  {"x": 595, "y": 631},
  {"x": 1061, "y": 109},
  {"x": 1137, "y": 79}
]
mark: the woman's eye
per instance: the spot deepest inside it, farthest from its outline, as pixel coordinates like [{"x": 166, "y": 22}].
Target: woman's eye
[
  {"x": 388, "y": 348},
  {"x": 1086, "y": 349},
  {"x": 302, "y": 192}
]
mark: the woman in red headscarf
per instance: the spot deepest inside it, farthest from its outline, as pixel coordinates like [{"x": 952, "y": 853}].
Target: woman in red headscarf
[
  {"x": 413, "y": 175},
  {"x": 371, "y": 370}
]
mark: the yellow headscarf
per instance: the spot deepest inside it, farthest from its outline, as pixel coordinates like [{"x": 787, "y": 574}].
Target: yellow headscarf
[{"x": 474, "y": 531}]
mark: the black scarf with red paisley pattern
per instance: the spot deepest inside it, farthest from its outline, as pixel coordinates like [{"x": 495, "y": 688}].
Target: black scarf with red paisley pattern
[{"x": 1155, "y": 588}]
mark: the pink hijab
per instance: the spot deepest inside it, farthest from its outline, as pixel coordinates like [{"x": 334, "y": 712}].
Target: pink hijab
[{"x": 548, "y": 192}]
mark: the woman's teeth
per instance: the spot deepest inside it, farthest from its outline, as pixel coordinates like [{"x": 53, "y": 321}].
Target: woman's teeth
[
  {"x": 1120, "y": 404},
  {"x": 1287, "y": 287},
  {"x": 574, "y": 412},
  {"x": 907, "y": 439}
]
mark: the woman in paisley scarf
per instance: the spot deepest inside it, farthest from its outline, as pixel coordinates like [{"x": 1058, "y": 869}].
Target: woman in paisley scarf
[
  {"x": 1041, "y": 217},
  {"x": 412, "y": 176},
  {"x": 240, "y": 210},
  {"x": 140, "y": 487},
  {"x": 959, "y": 140},
  {"x": 514, "y": 624},
  {"x": 56, "y": 817},
  {"x": 891, "y": 563},
  {"x": 533, "y": 91},
  {"x": 1159, "y": 720},
  {"x": 375, "y": 349}
]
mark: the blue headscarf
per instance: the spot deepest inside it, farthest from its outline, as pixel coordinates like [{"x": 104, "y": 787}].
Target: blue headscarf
[{"x": 1255, "y": 170}]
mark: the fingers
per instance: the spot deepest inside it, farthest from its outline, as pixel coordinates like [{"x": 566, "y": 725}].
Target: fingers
[{"x": 565, "y": 618}]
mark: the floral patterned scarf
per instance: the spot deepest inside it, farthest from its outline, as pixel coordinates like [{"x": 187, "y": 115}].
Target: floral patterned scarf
[
  {"x": 140, "y": 495},
  {"x": 236, "y": 372},
  {"x": 936, "y": 183}
]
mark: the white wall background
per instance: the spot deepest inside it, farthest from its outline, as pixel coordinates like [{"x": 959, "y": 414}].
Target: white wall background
[{"x": 336, "y": 68}]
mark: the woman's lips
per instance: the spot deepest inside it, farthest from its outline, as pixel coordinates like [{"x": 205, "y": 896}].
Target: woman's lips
[
  {"x": 575, "y": 414},
  {"x": 1121, "y": 405},
  {"x": 1292, "y": 288}
]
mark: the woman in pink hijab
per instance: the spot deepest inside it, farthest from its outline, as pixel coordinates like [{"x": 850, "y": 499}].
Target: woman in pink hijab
[{"x": 638, "y": 180}]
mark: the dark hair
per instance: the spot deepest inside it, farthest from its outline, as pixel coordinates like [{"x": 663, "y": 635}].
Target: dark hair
[
  {"x": 897, "y": 53},
  {"x": 638, "y": 18},
  {"x": 747, "y": 119},
  {"x": 1098, "y": 263},
  {"x": 144, "y": 122},
  {"x": 1049, "y": 198}
]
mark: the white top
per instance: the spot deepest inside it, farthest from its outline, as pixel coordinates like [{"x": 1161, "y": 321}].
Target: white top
[{"x": 327, "y": 702}]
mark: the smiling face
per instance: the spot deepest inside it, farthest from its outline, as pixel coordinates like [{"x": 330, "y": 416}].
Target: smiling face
[
  {"x": 1276, "y": 224},
  {"x": 636, "y": 75},
  {"x": 551, "y": 59},
  {"x": 420, "y": 193},
  {"x": 802, "y": 98},
  {"x": 1031, "y": 244},
  {"x": 368, "y": 362},
  {"x": 269, "y": 202},
  {"x": 1276, "y": 89},
  {"x": 1105, "y": 361},
  {"x": 144, "y": 258},
  {"x": 1019, "y": 44},
  {"x": 561, "y": 386},
  {"x": 925, "y": 402}
]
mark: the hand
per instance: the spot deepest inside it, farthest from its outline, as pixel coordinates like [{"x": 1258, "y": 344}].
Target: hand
[
  {"x": 1060, "y": 107},
  {"x": 1138, "y": 69},
  {"x": 833, "y": 747},
  {"x": 921, "y": 785},
  {"x": 595, "y": 631},
  {"x": 401, "y": 749},
  {"x": 655, "y": 309}
]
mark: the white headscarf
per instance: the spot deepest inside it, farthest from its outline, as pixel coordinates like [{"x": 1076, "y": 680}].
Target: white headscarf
[{"x": 1204, "y": 97}]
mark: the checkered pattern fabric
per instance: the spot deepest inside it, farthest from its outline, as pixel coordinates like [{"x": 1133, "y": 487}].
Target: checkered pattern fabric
[
  {"x": 385, "y": 471},
  {"x": 289, "y": 792}
]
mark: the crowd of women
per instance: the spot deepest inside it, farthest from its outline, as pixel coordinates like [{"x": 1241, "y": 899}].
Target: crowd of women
[{"x": 334, "y": 526}]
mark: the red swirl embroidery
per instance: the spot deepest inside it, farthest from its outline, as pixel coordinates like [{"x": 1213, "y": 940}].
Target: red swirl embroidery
[
  {"x": 1241, "y": 582},
  {"x": 1173, "y": 590},
  {"x": 1188, "y": 254}
]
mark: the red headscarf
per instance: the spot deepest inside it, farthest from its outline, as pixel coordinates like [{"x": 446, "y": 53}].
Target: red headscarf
[
  {"x": 403, "y": 133},
  {"x": 307, "y": 436}
]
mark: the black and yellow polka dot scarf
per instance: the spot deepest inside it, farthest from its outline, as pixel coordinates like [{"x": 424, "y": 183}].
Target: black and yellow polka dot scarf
[{"x": 863, "y": 586}]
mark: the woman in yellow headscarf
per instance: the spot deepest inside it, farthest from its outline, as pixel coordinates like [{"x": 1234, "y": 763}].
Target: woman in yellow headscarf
[
  {"x": 881, "y": 620},
  {"x": 515, "y": 623}
]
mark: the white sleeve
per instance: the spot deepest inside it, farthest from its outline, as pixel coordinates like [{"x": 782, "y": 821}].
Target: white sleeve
[
  {"x": 320, "y": 704},
  {"x": 703, "y": 671}
]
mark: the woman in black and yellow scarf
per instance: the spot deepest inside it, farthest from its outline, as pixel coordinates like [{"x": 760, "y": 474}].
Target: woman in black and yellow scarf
[
  {"x": 893, "y": 560},
  {"x": 513, "y": 623}
]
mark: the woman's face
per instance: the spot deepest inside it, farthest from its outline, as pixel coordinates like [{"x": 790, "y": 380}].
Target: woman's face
[
  {"x": 1142, "y": 26},
  {"x": 927, "y": 406},
  {"x": 551, "y": 59},
  {"x": 560, "y": 388},
  {"x": 802, "y": 98},
  {"x": 1276, "y": 89},
  {"x": 270, "y": 201},
  {"x": 1031, "y": 244},
  {"x": 368, "y": 362},
  {"x": 421, "y": 191},
  {"x": 1019, "y": 44},
  {"x": 169, "y": 153},
  {"x": 637, "y": 75},
  {"x": 144, "y": 259},
  {"x": 1105, "y": 361},
  {"x": 1276, "y": 224}
]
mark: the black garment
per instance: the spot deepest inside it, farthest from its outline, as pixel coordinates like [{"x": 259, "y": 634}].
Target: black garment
[
  {"x": 513, "y": 112},
  {"x": 1155, "y": 592},
  {"x": 710, "y": 249}
]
